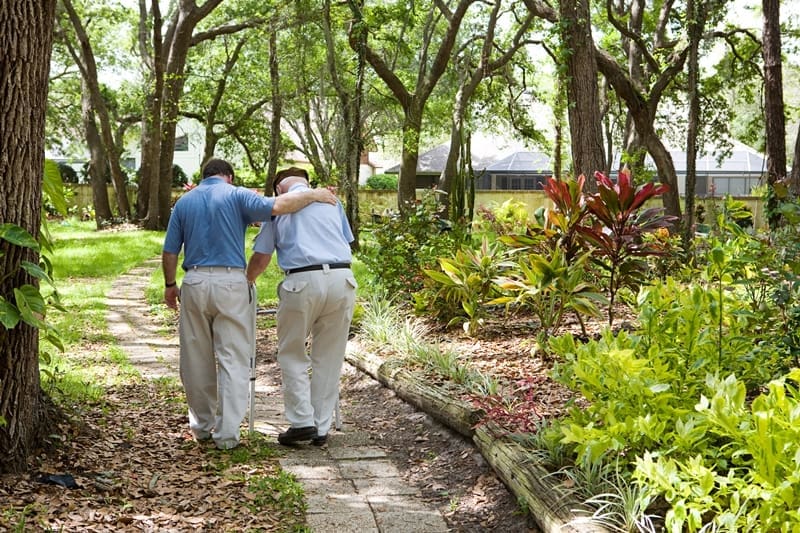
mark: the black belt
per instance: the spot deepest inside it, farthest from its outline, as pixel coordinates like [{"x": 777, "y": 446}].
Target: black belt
[{"x": 331, "y": 266}]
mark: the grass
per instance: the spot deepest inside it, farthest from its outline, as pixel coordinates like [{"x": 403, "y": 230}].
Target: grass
[{"x": 85, "y": 263}]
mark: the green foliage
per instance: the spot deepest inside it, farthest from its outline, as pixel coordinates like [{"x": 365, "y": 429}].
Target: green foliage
[
  {"x": 179, "y": 178},
  {"x": 549, "y": 286},
  {"x": 68, "y": 174},
  {"x": 509, "y": 217},
  {"x": 53, "y": 196},
  {"x": 282, "y": 492},
  {"x": 397, "y": 250},
  {"x": 459, "y": 290},
  {"x": 29, "y": 304},
  {"x": 656, "y": 399},
  {"x": 382, "y": 182},
  {"x": 752, "y": 483},
  {"x": 383, "y": 328}
]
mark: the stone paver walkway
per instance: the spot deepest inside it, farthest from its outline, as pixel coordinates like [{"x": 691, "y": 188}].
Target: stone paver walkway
[{"x": 350, "y": 484}]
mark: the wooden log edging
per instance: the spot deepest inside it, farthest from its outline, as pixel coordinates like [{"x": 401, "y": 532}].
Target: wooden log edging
[
  {"x": 453, "y": 413},
  {"x": 551, "y": 507}
]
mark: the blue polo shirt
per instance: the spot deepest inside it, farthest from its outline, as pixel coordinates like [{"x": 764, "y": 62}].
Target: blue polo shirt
[
  {"x": 317, "y": 234},
  {"x": 209, "y": 223}
]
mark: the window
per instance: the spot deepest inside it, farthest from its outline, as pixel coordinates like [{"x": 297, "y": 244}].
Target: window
[{"x": 182, "y": 143}]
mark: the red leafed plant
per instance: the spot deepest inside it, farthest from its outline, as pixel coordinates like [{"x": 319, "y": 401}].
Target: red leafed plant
[
  {"x": 570, "y": 211},
  {"x": 618, "y": 224}
]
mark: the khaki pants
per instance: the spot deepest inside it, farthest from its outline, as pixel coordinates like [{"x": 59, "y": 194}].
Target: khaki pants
[
  {"x": 320, "y": 304},
  {"x": 216, "y": 336}
]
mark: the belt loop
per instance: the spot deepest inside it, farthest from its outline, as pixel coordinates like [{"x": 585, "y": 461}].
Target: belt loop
[
  {"x": 194, "y": 267},
  {"x": 229, "y": 270},
  {"x": 326, "y": 268}
]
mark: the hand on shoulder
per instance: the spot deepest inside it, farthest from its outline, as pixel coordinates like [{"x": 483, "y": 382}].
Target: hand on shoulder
[{"x": 324, "y": 195}]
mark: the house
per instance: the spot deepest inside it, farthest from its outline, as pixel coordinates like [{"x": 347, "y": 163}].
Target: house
[
  {"x": 526, "y": 171},
  {"x": 431, "y": 163},
  {"x": 736, "y": 174}
]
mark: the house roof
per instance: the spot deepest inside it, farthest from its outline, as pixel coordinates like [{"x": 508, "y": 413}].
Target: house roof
[
  {"x": 741, "y": 160},
  {"x": 523, "y": 162},
  {"x": 433, "y": 161}
]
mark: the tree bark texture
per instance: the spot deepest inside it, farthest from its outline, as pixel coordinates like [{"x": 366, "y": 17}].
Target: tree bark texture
[
  {"x": 774, "y": 119},
  {"x": 585, "y": 124},
  {"x": 696, "y": 17},
  {"x": 26, "y": 40},
  {"x": 277, "y": 106}
]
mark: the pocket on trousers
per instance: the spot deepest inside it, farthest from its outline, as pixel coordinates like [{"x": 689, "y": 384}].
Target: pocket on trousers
[
  {"x": 352, "y": 282},
  {"x": 293, "y": 286}
]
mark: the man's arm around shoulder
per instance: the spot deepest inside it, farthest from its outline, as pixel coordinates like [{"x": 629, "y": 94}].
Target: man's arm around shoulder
[{"x": 297, "y": 200}]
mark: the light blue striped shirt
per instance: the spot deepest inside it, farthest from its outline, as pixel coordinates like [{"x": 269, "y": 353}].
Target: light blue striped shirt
[{"x": 317, "y": 234}]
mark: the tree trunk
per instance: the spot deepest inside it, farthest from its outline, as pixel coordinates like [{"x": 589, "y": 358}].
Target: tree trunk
[
  {"x": 642, "y": 112},
  {"x": 350, "y": 101},
  {"x": 407, "y": 181},
  {"x": 167, "y": 66},
  {"x": 89, "y": 75},
  {"x": 774, "y": 120},
  {"x": 585, "y": 125},
  {"x": 147, "y": 200},
  {"x": 696, "y": 20},
  {"x": 26, "y": 39},
  {"x": 97, "y": 164},
  {"x": 277, "y": 106}
]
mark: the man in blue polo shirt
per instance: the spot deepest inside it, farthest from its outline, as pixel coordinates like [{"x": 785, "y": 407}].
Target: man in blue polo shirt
[
  {"x": 217, "y": 303},
  {"x": 317, "y": 298}
]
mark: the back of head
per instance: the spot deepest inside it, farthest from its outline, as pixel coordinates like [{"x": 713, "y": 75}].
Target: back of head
[
  {"x": 217, "y": 167},
  {"x": 288, "y": 173}
]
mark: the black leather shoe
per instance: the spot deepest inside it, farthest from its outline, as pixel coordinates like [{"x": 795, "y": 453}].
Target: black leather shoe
[
  {"x": 293, "y": 435},
  {"x": 319, "y": 440}
]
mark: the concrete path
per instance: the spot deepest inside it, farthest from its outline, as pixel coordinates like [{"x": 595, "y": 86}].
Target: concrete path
[{"x": 350, "y": 484}]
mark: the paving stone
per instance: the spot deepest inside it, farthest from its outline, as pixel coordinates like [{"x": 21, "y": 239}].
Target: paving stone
[
  {"x": 383, "y": 486},
  {"x": 358, "y": 522},
  {"x": 409, "y": 518},
  {"x": 333, "y": 496},
  {"x": 356, "y": 453},
  {"x": 327, "y": 470},
  {"x": 368, "y": 468}
]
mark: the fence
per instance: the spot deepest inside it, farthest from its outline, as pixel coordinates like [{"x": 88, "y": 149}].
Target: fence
[{"x": 380, "y": 202}]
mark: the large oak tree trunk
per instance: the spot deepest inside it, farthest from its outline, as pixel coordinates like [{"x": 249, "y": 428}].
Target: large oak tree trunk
[
  {"x": 26, "y": 33},
  {"x": 585, "y": 124}
]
